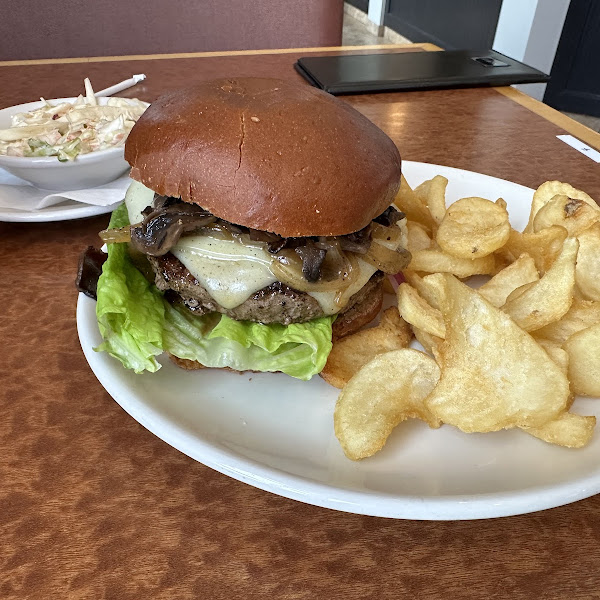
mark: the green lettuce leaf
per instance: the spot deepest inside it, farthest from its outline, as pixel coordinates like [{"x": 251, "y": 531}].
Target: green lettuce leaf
[
  {"x": 129, "y": 310},
  {"x": 137, "y": 324},
  {"x": 300, "y": 349}
]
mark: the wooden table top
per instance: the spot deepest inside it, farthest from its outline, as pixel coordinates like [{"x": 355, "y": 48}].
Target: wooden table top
[{"x": 92, "y": 505}]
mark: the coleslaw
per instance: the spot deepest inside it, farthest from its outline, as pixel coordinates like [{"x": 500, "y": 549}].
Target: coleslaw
[{"x": 68, "y": 129}]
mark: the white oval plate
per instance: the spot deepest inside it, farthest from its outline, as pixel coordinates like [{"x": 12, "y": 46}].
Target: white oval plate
[{"x": 276, "y": 433}]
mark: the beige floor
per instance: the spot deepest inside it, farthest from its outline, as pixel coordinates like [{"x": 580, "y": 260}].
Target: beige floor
[{"x": 357, "y": 33}]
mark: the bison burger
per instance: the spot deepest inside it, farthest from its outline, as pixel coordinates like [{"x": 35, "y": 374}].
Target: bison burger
[{"x": 258, "y": 226}]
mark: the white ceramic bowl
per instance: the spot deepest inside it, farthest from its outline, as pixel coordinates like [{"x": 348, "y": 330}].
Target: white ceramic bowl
[{"x": 47, "y": 172}]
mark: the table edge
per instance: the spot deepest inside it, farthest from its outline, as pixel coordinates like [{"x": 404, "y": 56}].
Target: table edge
[
  {"x": 579, "y": 130},
  {"x": 135, "y": 57}
]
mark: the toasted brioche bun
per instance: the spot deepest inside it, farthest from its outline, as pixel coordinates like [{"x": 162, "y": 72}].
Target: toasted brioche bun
[
  {"x": 273, "y": 155},
  {"x": 349, "y": 322},
  {"x": 359, "y": 315}
]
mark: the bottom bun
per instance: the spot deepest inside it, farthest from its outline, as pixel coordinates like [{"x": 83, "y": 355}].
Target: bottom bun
[
  {"x": 360, "y": 314},
  {"x": 194, "y": 365},
  {"x": 184, "y": 363},
  {"x": 349, "y": 322}
]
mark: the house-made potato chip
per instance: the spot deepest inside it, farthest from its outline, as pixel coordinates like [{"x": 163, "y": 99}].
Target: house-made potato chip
[
  {"x": 350, "y": 353},
  {"x": 433, "y": 192},
  {"x": 437, "y": 261},
  {"x": 581, "y": 315},
  {"x": 417, "y": 237},
  {"x": 568, "y": 429},
  {"x": 500, "y": 286},
  {"x": 412, "y": 206},
  {"x": 386, "y": 391},
  {"x": 494, "y": 374},
  {"x": 587, "y": 270},
  {"x": 416, "y": 311},
  {"x": 583, "y": 349},
  {"x": 547, "y": 300},
  {"x": 473, "y": 228},
  {"x": 547, "y": 191},
  {"x": 543, "y": 246},
  {"x": 572, "y": 214}
]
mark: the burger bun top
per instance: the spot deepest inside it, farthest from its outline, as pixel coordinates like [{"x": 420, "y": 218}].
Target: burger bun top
[{"x": 273, "y": 155}]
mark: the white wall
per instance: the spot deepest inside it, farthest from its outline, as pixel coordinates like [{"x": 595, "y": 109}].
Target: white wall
[
  {"x": 376, "y": 11},
  {"x": 514, "y": 26},
  {"x": 543, "y": 40},
  {"x": 529, "y": 31}
]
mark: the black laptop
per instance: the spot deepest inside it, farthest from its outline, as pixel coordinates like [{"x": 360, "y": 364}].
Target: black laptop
[{"x": 355, "y": 73}]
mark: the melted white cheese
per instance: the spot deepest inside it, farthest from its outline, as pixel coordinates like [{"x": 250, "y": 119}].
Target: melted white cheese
[
  {"x": 228, "y": 270},
  {"x": 137, "y": 197},
  {"x": 326, "y": 300},
  {"x": 231, "y": 271}
]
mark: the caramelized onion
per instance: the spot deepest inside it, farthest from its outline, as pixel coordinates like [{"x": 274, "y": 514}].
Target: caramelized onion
[
  {"x": 343, "y": 296},
  {"x": 336, "y": 262},
  {"x": 217, "y": 230},
  {"x": 288, "y": 270},
  {"x": 388, "y": 236},
  {"x": 117, "y": 235},
  {"x": 387, "y": 260},
  {"x": 305, "y": 263}
]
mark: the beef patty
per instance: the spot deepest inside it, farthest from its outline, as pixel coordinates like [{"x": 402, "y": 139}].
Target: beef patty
[{"x": 276, "y": 303}]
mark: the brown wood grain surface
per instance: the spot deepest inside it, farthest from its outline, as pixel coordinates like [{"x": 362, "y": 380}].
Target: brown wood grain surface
[{"x": 93, "y": 506}]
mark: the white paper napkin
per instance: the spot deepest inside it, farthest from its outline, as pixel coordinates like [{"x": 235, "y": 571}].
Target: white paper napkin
[{"x": 19, "y": 194}]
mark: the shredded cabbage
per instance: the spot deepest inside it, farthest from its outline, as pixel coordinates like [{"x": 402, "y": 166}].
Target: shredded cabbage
[{"x": 71, "y": 128}]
